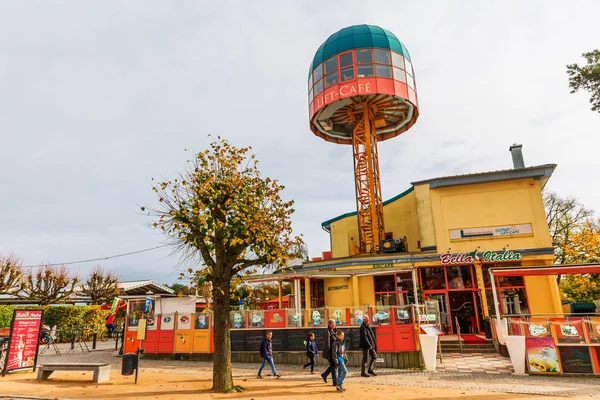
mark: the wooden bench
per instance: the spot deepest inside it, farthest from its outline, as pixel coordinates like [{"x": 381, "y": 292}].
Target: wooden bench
[{"x": 101, "y": 370}]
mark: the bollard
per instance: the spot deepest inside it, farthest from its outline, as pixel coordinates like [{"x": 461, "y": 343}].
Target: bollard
[
  {"x": 73, "y": 340},
  {"x": 94, "y": 339}
]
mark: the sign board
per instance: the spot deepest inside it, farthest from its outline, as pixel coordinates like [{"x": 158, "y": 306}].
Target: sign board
[
  {"x": 23, "y": 341},
  {"x": 486, "y": 257},
  {"x": 541, "y": 355},
  {"x": 491, "y": 231},
  {"x": 141, "y": 331},
  {"x": 576, "y": 359}
]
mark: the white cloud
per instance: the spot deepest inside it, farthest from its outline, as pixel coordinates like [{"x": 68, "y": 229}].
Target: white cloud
[{"x": 96, "y": 99}]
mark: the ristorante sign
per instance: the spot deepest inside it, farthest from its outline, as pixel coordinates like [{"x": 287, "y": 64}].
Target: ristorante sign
[{"x": 486, "y": 257}]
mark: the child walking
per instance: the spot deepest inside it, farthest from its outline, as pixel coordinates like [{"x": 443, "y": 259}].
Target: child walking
[
  {"x": 311, "y": 352},
  {"x": 266, "y": 353},
  {"x": 339, "y": 358}
]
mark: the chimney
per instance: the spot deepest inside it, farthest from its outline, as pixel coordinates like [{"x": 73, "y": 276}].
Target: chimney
[{"x": 517, "y": 156}]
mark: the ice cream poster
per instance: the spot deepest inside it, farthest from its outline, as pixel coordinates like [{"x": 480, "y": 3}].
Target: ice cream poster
[{"x": 541, "y": 355}]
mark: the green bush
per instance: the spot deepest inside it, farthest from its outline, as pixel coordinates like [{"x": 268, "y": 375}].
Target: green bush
[{"x": 66, "y": 318}]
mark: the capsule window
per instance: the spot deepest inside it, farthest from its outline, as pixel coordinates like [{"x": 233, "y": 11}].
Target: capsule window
[
  {"x": 347, "y": 74},
  {"x": 399, "y": 75},
  {"x": 331, "y": 65},
  {"x": 364, "y": 56},
  {"x": 384, "y": 71},
  {"x": 318, "y": 73},
  {"x": 382, "y": 56},
  {"x": 345, "y": 60},
  {"x": 319, "y": 87},
  {"x": 365, "y": 71},
  {"x": 397, "y": 60},
  {"x": 331, "y": 79}
]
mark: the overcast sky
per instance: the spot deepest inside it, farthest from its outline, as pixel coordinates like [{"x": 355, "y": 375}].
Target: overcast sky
[{"x": 98, "y": 97}]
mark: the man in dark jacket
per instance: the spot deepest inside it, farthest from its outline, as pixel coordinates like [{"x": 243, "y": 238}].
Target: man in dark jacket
[
  {"x": 266, "y": 353},
  {"x": 331, "y": 336},
  {"x": 368, "y": 346}
]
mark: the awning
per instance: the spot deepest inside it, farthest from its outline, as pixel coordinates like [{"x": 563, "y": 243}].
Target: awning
[
  {"x": 584, "y": 306},
  {"x": 316, "y": 274},
  {"x": 549, "y": 270}
]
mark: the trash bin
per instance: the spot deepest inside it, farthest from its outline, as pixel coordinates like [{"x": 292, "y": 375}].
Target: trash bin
[{"x": 129, "y": 364}]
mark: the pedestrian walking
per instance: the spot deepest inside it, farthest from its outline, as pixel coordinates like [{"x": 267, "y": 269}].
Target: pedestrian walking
[
  {"x": 311, "y": 352},
  {"x": 331, "y": 336},
  {"x": 266, "y": 353},
  {"x": 368, "y": 346},
  {"x": 340, "y": 359}
]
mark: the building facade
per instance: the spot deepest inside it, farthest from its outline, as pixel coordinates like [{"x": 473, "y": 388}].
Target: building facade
[{"x": 444, "y": 234}]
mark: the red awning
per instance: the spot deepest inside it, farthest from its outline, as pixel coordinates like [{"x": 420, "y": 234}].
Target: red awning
[{"x": 550, "y": 270}]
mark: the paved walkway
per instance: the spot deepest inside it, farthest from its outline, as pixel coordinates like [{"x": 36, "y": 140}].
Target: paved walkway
[{"x": 475, "y": 363}]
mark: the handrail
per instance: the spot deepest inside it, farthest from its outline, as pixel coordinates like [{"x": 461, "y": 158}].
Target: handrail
[{"x": 458, "y": 333}]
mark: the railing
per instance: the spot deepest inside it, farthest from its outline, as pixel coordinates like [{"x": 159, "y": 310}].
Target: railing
[
  {"x": 458, "y": 333},
  {"x": 318, "y": 317},
  {"x": 567, "y": 328}
]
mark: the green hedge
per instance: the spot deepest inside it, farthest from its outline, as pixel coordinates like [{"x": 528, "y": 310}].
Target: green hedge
[{"x": 66, "y": 318}]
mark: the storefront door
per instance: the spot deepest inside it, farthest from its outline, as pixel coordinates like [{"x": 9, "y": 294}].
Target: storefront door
[{"x": 464, "y": 311}]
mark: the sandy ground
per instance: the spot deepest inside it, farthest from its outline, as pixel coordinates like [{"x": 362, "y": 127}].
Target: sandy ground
[{"x": 161, "y": 384}]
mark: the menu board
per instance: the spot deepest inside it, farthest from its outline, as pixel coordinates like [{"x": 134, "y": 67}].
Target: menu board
[
  {"x": 576, "y": 360},
  {"x": 254, "y": 340},
  {"x": 296, "y": 339},
  {"x": 541, "y": 355},
  {"x": 23, "y": 341},
  {"x": 238, "y": 341}
]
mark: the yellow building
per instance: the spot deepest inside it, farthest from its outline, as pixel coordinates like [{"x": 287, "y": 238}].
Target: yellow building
[{"x": 443, "y": 236}]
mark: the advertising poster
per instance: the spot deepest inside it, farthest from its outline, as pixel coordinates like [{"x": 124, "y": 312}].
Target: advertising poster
[
  {"x": 23, "y": 342},
  {"x": 167, "y": 322},
  {"x": 184, "y": 321},
  {"x": 570, "y": 332},
  {"x": 541, "y": 355},
  {"x": 576, "y": 360},
  {"x": 594, "y": 330}
]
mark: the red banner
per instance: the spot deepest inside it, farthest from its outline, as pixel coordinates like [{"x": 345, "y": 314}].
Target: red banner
[{"x": 24, "y": 338}]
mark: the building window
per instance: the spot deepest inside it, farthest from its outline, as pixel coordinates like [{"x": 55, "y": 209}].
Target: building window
[
  {"x": 384, "y": 71},
  {"x": 346, "y": 60},
  {"x": 385, "y": 290},
  {"x": 365, "y": 71},
  {"x": 347, "y": 74},
  {"x": 382, "y": 56},
  {"x": 399, "y": 75},
  {"x": 410, "y": 81},
  {"x": 364, "y": 56},
  {"x": 397, "y": 60},
  {"x": 460, "y": 277},
  {"x": 512, "y": 295},
  {"x": 433, "y": 278},
  {"x": 331, "y": 79},
  {"x": 514, "y": 301},
  {"x": 408, "y": 67},
  {"x": 319, "y": 87},
  {"x": 318, "y": 73},
  {"x": 331, "y": 65}
]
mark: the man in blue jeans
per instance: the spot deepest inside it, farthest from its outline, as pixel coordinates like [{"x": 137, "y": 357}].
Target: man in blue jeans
[{"x": 266, "y": 352}]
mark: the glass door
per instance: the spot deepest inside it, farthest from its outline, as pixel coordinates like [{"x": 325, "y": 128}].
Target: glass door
[{"x": 441, "y": 301}]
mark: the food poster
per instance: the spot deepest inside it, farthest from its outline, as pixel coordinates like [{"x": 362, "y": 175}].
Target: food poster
[
  {"x": 538, "y": 328},
  {"x": 184, "y": 321},
  {"x": 23, "y": 342},
  {"x": 167, "y": 322},
  {"x": 541, "y": 355},
  {"x": 576, "y": 359},
  {"x": 569, "y": 332}
]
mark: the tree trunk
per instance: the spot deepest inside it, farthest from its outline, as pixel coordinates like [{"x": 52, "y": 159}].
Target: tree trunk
[{"x": 222, "y": 376}]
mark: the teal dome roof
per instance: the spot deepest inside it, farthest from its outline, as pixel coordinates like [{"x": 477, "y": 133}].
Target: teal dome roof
[{"x": 358, "y": 37}]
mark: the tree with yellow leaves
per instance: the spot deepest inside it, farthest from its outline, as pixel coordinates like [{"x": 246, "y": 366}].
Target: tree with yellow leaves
[{"x": 224, "y": 214}]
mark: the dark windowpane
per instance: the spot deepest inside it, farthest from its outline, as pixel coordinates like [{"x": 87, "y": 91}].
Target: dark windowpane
[
  {"x": 433, "y": 278},
  {"x": 405, "y": 282},
  {"x": 511, "y": 281},
  {"x": 345, "y": 60},
  {"x": 319, "y": 87},
  {"x": 364, "y": 71},
  {"x": 331, "y": 65},
  {"x": 318, "y": 73},
  {"x": 347, "y": 74},
  {"x": 331, "y": 79},
  {"x": 459, "y": 277},
  {"x": 385, "y": 299},
  {"x": 384, "y": 71},
  {"x": 384, "y": 283},
  {"x": 513, "y": 301},
  {"x": 364, "y": 56},
  {"x": 382, "y": 56}
]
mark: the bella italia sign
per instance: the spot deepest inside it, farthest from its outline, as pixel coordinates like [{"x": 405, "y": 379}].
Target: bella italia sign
[{"x": 486, "y": 257}]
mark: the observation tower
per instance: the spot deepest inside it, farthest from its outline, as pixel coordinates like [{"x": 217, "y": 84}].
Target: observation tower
[{"x": 361, "y": 90}]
